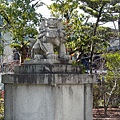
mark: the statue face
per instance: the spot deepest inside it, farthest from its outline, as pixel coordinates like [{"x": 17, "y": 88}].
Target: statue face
[{"x": 52, "y": 22}]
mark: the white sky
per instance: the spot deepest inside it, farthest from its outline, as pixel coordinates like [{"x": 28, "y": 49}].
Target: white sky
[
  {"x": 46, "y": 13},
  {"x": 44, "y": 10}
]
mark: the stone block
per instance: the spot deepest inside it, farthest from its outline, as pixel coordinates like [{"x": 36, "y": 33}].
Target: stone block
[{"x": 57, "y": 92}]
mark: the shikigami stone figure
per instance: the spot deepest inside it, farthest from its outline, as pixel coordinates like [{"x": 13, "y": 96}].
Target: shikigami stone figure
[{"x": 51, "y": 35}]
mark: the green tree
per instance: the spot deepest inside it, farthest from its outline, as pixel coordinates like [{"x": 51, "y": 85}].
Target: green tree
[
  {"x": 20, "y": 17},
  {"x": 102, "y": 11},
  {"x": 112, "y": 77},
  {"x": 107, "y": 92}
]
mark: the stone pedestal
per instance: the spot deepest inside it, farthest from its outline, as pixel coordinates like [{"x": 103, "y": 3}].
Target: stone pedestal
[{"x": 48, "y": 92}]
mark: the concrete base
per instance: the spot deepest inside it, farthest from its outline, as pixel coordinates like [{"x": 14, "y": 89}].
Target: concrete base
[{"x": 48, "y": 95}]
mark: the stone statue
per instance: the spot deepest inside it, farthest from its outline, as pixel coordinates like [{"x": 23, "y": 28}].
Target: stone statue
[{"x": 51, "y": 37}]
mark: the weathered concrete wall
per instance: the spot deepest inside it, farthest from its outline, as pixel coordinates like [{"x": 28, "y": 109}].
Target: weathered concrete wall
[{"x": 48, "y": 95}]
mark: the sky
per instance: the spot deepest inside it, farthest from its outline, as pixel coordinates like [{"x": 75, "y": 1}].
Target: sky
[
  {"x": 46, "y": 13},
  {"x": 44, "y": 10}
]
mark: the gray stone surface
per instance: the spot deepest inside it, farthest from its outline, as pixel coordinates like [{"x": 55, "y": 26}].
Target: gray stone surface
[
  {"x": 56, "y": 95},
  {"x": 50, "y": 79},
  {"x": 48, "y": 68}
]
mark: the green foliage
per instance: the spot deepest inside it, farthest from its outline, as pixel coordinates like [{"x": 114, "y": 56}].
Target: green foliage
[
  {"x": 93, "y": 7},
  {"x": 20, "y": 18},
  {"x": 113, "y": 61},
  {"x": 1, "y": 108},
  {"x": 107, "y": 92},
  {"x": 1, "y": 49},
  {"x": 2, "y": 118},
  {"x": 113, "y": 72},
  {"x": 61, "y": 7}
]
